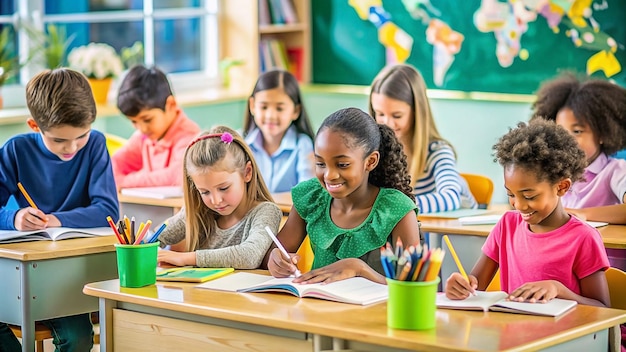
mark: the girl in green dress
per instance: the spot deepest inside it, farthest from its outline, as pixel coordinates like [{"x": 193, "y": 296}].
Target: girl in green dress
[{"x": 360, "y": 200}]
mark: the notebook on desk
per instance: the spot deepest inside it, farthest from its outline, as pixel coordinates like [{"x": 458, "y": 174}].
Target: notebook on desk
[
  {"x": 355, "y": 290},
  {"x": 496, "y": 301},
  {"x": 494, "y": 218},
  {"x": 53, "y": 234},
  {"x": 163, "y": 192},
  {"x": 456, "y": 214}
]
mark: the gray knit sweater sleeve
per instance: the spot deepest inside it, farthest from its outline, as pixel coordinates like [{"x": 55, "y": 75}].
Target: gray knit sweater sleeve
[
  {"x": 174, "y": 232},
  {"x": 244, "y": 245}
]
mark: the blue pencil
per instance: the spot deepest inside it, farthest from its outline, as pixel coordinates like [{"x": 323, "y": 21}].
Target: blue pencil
[{"x": 155, "y": 236}]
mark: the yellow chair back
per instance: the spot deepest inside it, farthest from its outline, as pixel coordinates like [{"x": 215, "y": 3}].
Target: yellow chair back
[
  {"x": 114, "y": 142},
  {"x": 481, "y": 188},
  {"x": 306, "y": 255},
  {"x": 616, "y": 279},
  {"x": 494, "y": 285}
]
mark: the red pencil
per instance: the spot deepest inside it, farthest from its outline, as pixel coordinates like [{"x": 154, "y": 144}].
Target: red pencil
[{"x": 117, "y": 234}]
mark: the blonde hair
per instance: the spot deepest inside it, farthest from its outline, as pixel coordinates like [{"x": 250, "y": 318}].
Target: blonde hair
[
  {"x": 405, "y": 83},
  {"x": 211, "y": 150}
]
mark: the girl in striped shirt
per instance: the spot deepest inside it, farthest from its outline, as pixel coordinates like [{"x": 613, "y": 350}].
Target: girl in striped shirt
[{"x": 398, "y": 99}]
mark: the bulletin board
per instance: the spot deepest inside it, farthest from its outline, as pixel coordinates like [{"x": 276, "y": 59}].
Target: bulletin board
[{"x": 469, "y": 45}]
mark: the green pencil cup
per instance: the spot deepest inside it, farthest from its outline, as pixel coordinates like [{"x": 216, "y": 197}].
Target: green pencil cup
[
  {"x": 136, "y": 264},
  {"x": 412, "y": 304}
]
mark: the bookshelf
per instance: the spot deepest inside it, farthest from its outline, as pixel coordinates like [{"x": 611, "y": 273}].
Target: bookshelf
[{"x": 241, "y": 35}]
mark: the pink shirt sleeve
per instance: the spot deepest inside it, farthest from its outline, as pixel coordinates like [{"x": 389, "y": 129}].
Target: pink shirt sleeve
[
  {"x": 128, "y": 158},
  {"x": 162, "y": 161}
]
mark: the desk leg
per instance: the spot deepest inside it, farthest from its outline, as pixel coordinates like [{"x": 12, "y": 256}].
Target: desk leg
[
  {"x": 106, "y": 324},
  {"x": 28, "y": 323}
]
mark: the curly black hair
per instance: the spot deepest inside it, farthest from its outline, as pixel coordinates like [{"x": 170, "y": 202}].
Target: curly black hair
[
  {"x": 594, "y": 102},
  {"x": 544, "y": 148},
  {"x": 361, "y": 131}
]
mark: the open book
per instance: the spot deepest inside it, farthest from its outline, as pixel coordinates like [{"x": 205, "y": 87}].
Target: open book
[
  {"x": 496, "y": 301},
  {"x": 163, "y": 192},
  {"x": 355, "y": 290},
  {"x": 53, "y": 233},
  {"x": 187, "y": 274}
]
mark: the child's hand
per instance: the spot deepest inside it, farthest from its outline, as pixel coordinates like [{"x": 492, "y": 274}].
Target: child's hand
[
  {"x": 536, "y": 292},
  {"x": 281, "y": 266},
  {"x": 30, "y": 219},
  {"x": 458, "y": 288},
  {"x": 337, "y": 271},
  {"x": 176, "y": 258}
]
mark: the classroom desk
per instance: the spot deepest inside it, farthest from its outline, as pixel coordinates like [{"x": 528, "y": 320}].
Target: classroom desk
[
  {"x": 469, "y": 239},
  {"x": 159, "y": 210},
  {"x": 44, "y": 279},
  {"x": 177, "y": 316}
]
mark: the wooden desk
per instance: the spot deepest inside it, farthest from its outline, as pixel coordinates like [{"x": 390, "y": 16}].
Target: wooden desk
[
  {"x": 177, "y": 316},
  {"x": 44, "y": 279},
  {"x": 144, "y": 208},
  {"x": 159, "y": 210},
  {"x": 469, "y": 239}
]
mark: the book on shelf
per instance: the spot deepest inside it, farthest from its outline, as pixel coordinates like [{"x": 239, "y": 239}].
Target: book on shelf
[
  {"x": 496, "y": 301},
  {"x": 163, "y": 192},
  {"x": 276, "y": 12},
  {"x": 288, "y": 11},
  {"x": 189, "y": 274},
  {"x": 355, "y": 290},
  {"x": 53, "y": 234},
  {"x": 295, "y": 56},
  {"x": 264, "y": 13}
]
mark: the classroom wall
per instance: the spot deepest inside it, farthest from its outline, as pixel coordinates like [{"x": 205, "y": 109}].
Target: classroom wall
[{"x": 472, "y": 126}]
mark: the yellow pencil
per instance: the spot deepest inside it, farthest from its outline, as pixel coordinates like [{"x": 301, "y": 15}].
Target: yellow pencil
[
  {"x": 28, "y": 198},
  {"x": 454, "y": 256}
]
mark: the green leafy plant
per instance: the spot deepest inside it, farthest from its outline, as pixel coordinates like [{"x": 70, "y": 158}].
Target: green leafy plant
[
  {"x": 9, "y": 61},
  {"x": 51, "y": 44},
  {"x": 132, "y": 55}
]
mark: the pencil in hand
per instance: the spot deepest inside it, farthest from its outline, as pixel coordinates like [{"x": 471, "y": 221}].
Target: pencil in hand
[
  {"x": 29, "y": 199},
  {"x": 456, "y": 259}
]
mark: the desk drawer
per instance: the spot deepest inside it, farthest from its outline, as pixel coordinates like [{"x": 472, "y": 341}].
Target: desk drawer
[{"x": 133, "y": 331}]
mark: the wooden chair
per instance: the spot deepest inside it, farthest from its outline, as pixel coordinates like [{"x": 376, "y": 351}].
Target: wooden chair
[
  {"x": 481, "y": 188},
  {"x": 616, "y": 280},
  {"x": 494, "y": 285},
  {"x": 41, "y": 333},
  {"x": 114, "y": 142}
]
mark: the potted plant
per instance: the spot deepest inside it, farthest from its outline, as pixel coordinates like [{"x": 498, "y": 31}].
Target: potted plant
[
  {"x": 100, "y": 63},
  {"x": 9, "y": 60},
  {"x": 51, "y": 44}
]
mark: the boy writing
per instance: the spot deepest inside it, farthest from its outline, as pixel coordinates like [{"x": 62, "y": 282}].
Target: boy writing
[
  {"x": 154, "y": 153},
  {"x": 67, "y": 171}
]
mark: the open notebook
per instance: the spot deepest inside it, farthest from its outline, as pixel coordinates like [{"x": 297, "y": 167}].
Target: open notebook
[
  {"x": 355, "y": 290},
  {"x": 190, "y": 274},
  {"x": 496, "y": 301},
  {"x": 53, "y": 233},
  {"x": 163, "y": 192}
]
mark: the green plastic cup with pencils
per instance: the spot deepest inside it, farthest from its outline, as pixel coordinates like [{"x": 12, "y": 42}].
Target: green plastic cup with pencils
[
  {"x": 136, "y": 252},
  {"x": 412, "y": 278}
]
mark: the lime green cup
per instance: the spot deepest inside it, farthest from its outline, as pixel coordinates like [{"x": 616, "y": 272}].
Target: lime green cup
[
  {"x": 412, "y": 304},
  {"x": 136, "y": 264}
]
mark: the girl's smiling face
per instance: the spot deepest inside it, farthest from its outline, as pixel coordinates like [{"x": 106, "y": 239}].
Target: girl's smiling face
[
  {"x": 273, "y": 112},
  {"x": 537, "y": 201},
  {"x": 394, "y": 113},
  {"x": 583, "y": 134},
  {"x": 340, "y": 167}
]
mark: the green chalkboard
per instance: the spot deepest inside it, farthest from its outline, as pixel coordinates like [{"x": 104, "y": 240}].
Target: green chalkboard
[{"x": 347, "y": 50}]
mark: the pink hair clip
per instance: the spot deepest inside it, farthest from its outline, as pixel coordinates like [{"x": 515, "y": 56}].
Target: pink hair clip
[{"x": 225, "y": 137}]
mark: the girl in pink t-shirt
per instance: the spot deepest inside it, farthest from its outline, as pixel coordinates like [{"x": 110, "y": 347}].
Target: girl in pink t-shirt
[{"x": 542, "y": 251}]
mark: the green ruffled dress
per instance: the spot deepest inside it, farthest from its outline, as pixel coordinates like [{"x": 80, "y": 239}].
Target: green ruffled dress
[{"x": 331, "y": 243}]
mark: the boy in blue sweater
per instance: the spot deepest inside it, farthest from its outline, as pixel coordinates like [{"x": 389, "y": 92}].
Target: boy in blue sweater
[{"x": 66, "y": 169}]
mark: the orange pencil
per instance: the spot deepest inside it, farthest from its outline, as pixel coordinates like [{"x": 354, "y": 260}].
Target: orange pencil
[
  {"x": 28, "y": 198},
  {"x": 143, "y": 233},
  {"x": 435, "y": 264}
]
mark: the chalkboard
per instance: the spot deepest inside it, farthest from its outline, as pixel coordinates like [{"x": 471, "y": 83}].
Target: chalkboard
[{"x": 347, "y": 50}]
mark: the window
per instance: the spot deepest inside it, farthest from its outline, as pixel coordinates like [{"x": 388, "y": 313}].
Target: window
[{"x": 179, "y": 36}]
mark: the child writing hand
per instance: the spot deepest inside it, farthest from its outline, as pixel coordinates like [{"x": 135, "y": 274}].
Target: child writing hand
[
  {"x": 542, "y": 251},
  {"x": 398, "y": 99},
  {"x": 153, "y": 154},
  {"x": 360, "y": 200},
  {"x": 66, "y": 169},
  {"x": 227, "y": 207},
  {"x": 278, "y": 131}
]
